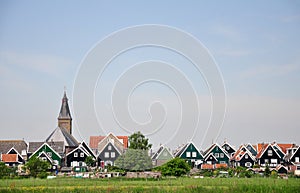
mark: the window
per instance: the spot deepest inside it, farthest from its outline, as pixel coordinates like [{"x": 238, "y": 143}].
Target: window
[
  {"x": 49, "y": 154},
  {"x": 188, "y": 154},
  {"x": 109, "y": 147},
  {"x": 248, "y": 164},
  {"x": 227, "y": 147},
  {"x": 75, "y": 154},
  {"x": 296, "y": 159},
  {"x": 270, "y": 152},
  {"x": 106, "y": 154},
  {"x": 274, "y": 161},
  {"x": 216, "y": 155},
  {"x": 246, "y": 157},
  {"x": 222, "y": 162},
  {"x": 194, "y": 154},
  {"x": 112, "y": 154},
  {"x": 81, "y": 154},
  {"x": 266, "y": 161},
  {"x": 221, "y": 155}
]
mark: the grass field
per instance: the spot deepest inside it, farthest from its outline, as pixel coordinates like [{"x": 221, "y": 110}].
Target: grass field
[{"x": 63, "y": 185}]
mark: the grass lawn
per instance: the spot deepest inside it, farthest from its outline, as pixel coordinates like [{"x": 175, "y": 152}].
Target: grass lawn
[{"x": 62, "y": 185}]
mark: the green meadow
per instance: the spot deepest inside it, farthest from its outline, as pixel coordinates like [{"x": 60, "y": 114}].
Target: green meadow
[{"x": 64, "y": 185}]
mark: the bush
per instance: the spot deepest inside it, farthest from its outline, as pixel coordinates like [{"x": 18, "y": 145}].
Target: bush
[{"x": 175, "y": 167}]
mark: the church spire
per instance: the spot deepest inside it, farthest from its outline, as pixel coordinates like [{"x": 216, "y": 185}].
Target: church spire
[{"x": 64, "y": 117}]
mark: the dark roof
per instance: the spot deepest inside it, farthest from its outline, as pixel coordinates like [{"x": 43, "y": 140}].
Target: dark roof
[
  {"x": 64, "y": 110},
  {"x": 61, "y": 134},
  {"x": 6, "y": 145},
  {"x": 58, "y": 146},
  {"x": 181, "y": 150},
  {"x": 158, "y": 152}
]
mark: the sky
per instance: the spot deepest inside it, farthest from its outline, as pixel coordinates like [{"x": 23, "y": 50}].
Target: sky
[{"x": 255, "y": 45}]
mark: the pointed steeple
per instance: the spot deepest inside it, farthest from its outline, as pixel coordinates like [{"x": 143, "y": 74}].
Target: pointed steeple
[{"x": 64, "y": 117}]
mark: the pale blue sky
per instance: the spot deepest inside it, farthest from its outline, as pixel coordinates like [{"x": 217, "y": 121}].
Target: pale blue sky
[{"x": 255, "y": 43}]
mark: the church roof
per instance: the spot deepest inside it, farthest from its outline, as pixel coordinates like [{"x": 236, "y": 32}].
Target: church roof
[
  {"x": 61, "y": 134},
  {"x": 64, "y": 110}
]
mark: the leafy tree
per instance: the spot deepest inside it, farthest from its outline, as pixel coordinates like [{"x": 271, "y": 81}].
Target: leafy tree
[
  {"x": 37, "y": 167},
  {"x": 139, "y": 141},
  {"x": 174, "y": 167},
  {"x": 89, "y": 160},
  {"x": 134, "y": 160},
  {"x": 4, "y": 170}
]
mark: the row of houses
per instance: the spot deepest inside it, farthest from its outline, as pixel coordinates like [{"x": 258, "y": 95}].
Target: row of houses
[{"x": 63, "y": 151}]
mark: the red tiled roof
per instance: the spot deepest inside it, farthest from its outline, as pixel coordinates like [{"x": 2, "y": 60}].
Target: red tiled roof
[
  {"x": 284, "y": 146},
  {"x": 9, "y": 158},
  {"x": 207, "y": 166},
  {"x": 260, "y": 149},
  {"x": 221, "y": 166},
  {"x": 94, "y": 141}
]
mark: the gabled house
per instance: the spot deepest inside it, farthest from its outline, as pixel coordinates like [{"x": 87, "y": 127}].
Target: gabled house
[
  {"x": 98, "y": 142},
  {"x": 293, "y": 155},
  {"x": 45, "y": 148},
  {"x": 243, "y": 157},
  {"x": 230, "y": 150},
  {"x": 19, "y": 147},
  {"x": 210, "y": 159},
  {"x": 268, "y": 155},
  {"x": 218, "y": 153},
  {"x": 108, "y": 154},
  {"x": 77, "y": 156},
  {"x": 58, "y": 147},
  {"x": 190, "y": 153},
  {"x": 162, "y": 156}
]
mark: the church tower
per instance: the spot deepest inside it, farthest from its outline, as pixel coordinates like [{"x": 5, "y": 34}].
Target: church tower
[{"x": 64, "y": 117}]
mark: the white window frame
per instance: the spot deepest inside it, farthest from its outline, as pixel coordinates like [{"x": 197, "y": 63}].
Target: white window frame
[
  {"x": 49, "y": 154},
  {"x": 217, "y": 155},
  {"x": 75, "y": 154},
  {"x": 112, "y": 154},
  {"x": 188, "y": 154},
  {"x": 246, "y": 157},
  {"x": 106, "y": 154},
  {"x": 248, "y": 164},
  {"x": 266, "y": 161},
  {"x": 194, "y": 154},
  {"x": 221, "y": 155},
  {"x": 81, "y": 154},
  {"x": 109, "y": 147},
  {"x": 222, "y": 162},
  {"x": 270, "y": 152},
  {"x": 297, "y": 159},
  {"x": 273, "y": 161}
]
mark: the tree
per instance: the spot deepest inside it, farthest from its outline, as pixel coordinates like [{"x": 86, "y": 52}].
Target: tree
[
  {"x": 139, "y": 141},
  {"x": 89, "y": 160},
  {"x": 37, "y": 167},
  {"x": 4, "y": 170},
  {"x": 174, "y": 167},
  {"x": 134, "y": 160}
]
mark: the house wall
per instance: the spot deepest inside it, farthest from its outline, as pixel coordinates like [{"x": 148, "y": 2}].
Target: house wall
[
  {"x": 109, "y": 153},
  {"x": 296, "y": 157},
  {"x": 72, "y": 158},
  {"x": 245, "y": 160},
  {"x": 47, "y": 150},
  {"x": 267, "y": 158},
  {"x": 220, "y": 155}
]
